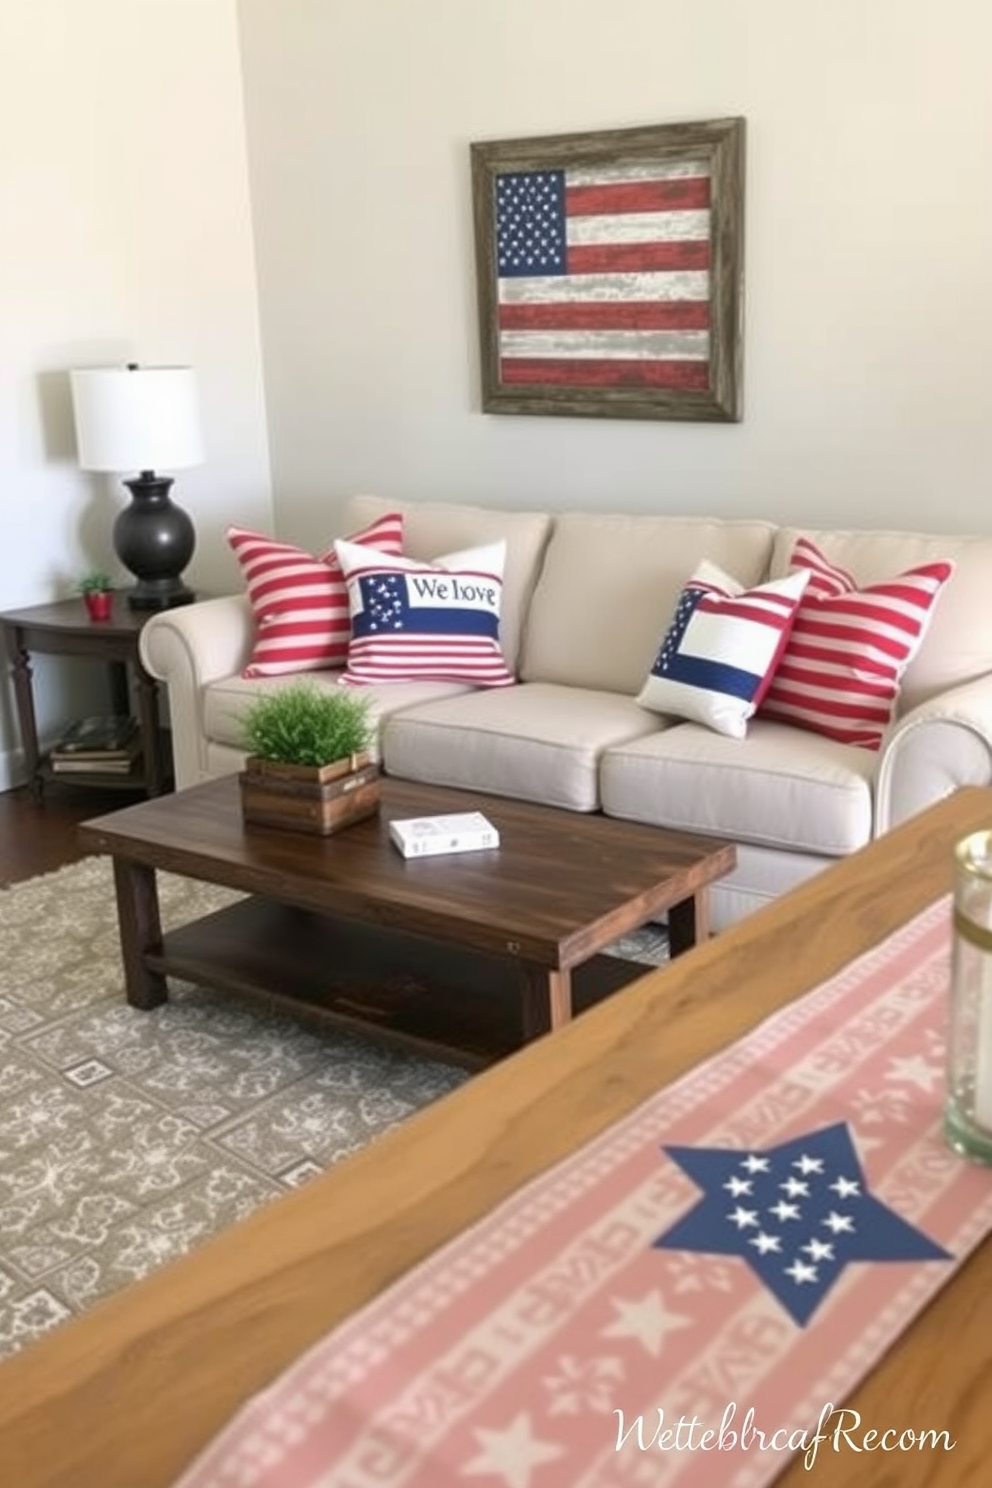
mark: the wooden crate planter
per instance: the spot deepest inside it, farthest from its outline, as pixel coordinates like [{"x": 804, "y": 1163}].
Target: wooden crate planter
[{"x": 321, "y": 799}]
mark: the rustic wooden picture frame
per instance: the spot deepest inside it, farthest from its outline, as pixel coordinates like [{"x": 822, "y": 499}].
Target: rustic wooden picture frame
[{"x": 584, "y": 311}]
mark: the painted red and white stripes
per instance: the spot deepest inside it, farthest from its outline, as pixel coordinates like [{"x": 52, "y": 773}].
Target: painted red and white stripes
[{"x": 605, "y": 276}]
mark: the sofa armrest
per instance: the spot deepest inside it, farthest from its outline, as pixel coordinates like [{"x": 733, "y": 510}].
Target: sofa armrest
[
  {"x": 938, "y": 746},
  {"x": 186, "y": 648}
]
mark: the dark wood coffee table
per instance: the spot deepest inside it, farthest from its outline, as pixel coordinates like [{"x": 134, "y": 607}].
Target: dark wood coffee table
[{"x": 470, "y": 954}]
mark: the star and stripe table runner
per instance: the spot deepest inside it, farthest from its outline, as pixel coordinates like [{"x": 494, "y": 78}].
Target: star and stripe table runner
[{"x": 685, "y": 1298}]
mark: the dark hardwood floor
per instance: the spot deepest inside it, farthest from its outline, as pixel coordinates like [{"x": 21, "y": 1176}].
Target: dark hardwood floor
[{"x": 40, "y": 838}]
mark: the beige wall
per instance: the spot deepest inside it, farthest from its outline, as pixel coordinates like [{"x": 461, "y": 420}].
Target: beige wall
[
  {"x": 869, "y": 249},
  {"x": 126, "y": 234}
]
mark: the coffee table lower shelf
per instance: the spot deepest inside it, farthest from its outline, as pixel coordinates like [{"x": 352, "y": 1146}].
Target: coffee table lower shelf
[{"x": 447, "y": 1002}]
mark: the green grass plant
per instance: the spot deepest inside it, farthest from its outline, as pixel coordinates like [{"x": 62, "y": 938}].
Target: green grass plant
[{"x": 303, "y": 724}]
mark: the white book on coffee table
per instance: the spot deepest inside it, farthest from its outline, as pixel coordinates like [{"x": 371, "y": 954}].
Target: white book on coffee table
[{"x": 428, "y": 836}]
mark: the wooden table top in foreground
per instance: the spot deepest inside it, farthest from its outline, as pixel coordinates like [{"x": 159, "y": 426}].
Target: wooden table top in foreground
[{"x": 130, "y": 1392}]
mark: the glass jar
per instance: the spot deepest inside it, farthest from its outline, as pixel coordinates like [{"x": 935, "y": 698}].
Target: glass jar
[{"x": 968, "y": 1110}]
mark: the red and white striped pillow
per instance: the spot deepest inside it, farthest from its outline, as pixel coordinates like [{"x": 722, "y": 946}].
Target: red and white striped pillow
[
  {"x": 848, "y": 648},
  {"x": 415, "y": 621},
  {"x": 300, "y": 603}
]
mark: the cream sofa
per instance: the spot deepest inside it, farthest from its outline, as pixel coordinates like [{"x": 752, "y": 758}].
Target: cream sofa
[{"x": 587, "y": 598}]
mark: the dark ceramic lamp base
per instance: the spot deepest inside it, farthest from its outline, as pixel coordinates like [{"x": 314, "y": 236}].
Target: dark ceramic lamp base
[{"x": 154, "y": 539}]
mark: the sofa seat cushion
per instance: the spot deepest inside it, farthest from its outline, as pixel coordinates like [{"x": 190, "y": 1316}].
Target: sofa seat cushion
[
  {"x": 225, "y": 701},
  {"x": 782, "y": 787},
  {"x": 535, "y": 742}
]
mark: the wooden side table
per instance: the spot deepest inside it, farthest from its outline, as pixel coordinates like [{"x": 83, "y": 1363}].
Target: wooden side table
[{"x": 65, "y": 629}]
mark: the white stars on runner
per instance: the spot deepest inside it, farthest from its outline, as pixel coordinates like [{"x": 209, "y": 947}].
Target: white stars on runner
[
  {"x": 755, "y": 1164},
  {"x": 647, "y": 1319},
  {"x": 511, "y": 1454},
  {"x": 916, "y": 1071},
  {"x": 766, "y": 1244},
  {"x": 801, "y": 1271}
]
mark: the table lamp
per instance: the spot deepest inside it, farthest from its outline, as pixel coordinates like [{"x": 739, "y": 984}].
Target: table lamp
[{"x": 143, "y": 419}]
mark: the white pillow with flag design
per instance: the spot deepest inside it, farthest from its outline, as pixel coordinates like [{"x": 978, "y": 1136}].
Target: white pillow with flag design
[
  {"x": 720, "y": 651},
  {"x": 416, "y": 621}
]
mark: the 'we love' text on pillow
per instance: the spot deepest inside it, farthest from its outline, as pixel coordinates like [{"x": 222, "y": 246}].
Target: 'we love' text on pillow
[{"x": 413, "y": 621}]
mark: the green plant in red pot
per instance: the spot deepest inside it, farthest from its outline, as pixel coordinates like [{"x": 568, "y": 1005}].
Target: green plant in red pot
[{"x": 97, "y": 589}]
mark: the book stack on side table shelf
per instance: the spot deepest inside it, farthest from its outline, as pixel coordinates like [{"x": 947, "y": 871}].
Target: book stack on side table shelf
[{"x": 98, "y": 746}]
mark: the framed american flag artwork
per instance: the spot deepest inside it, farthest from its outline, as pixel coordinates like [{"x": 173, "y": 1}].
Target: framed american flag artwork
[{"x": 610, "y": 272}]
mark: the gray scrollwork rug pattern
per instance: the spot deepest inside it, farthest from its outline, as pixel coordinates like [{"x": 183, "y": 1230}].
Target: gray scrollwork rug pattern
[{"x": 127, "y": 1137}]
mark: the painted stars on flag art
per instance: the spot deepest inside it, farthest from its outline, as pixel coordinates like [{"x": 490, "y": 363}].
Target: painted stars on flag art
[
  {"x": 797, "y": 1214},
  {"x": 604, "y": 276}
]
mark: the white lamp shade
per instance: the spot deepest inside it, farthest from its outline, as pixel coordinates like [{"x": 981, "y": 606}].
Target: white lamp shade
[{"x": 142, "y": 418}]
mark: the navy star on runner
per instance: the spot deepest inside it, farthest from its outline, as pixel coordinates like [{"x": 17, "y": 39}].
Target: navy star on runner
[{"x": 797, "y": 1214}]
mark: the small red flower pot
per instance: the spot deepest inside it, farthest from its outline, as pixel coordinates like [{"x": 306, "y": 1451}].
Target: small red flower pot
[{"x": 99, "y": 605}]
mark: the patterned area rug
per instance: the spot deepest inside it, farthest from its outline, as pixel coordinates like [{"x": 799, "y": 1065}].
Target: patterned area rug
[{"x": 126, "y": 1137}]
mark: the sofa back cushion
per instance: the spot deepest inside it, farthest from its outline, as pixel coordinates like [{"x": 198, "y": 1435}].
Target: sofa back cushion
[
  {"x": 957, "y": 642},
  {"x": 432, "y": 528},
  {"x": 609, "y": 587}
]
